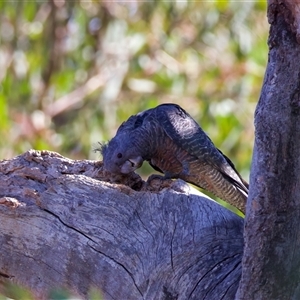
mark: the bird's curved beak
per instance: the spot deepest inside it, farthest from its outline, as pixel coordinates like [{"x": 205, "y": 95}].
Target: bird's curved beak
[{"x": 132, "y": 164}]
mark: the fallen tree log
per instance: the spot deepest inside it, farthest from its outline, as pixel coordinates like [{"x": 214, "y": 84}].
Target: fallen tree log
[{"x": 67, "y": 223}]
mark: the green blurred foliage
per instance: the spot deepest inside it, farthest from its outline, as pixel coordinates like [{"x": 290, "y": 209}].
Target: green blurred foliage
[
  {"x": 14, "y": 291},
  {"x": 72, "y": 71}
]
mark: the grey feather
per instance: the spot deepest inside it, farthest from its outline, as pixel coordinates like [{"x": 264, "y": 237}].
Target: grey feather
[{"x": 172, "y": 142}]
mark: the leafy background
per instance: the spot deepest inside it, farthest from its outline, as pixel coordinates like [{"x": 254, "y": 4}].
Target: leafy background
[{"x": 72, "y": 71}]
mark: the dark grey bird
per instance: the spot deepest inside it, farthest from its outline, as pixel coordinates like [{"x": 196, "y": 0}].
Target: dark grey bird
[{"x": 173, "y": 143}]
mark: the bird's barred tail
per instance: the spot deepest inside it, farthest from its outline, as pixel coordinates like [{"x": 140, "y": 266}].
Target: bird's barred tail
[{"x": 225, "y": 188}]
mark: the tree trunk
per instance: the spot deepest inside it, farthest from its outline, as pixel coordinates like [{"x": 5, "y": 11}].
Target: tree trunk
[
  {"x": 271, "y": 262},
  {"x": 63, "y": 225}
]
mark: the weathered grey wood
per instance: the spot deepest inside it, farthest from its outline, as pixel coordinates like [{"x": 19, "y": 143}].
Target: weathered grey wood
[
  {"x": 271, "y": 262},
  {"x": 62, "y": 225}
]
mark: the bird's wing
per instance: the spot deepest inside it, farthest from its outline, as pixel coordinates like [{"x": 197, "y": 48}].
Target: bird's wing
[
  {"x": 134, "y": 122},
  {"x": 188, "y": 135},
  {"x": 245, "y": 185},
  {"x": 129, "y": 125},
  {"x": 182, "y": 129}
]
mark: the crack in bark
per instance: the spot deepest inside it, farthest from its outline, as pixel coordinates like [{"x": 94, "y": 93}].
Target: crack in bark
[
  {"x": 234, "y": 283},
  {"x": 187, "y": 269},
  {"x": 43, "y": 262},
  {"x": 5, "y": 275},
  {"x": 145, "y": 227},
  {"x": 70, "y": 227},
  {"x": 171, "y": 250},
  {"x": 98, "y": 251},
  {"x": 121, "y": 265},
  {"x": 208, "y": 271},
  {"x": 228, "y": 274}
]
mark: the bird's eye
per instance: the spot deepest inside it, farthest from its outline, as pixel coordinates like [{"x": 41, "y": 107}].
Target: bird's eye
[{"x": 119, "y": 155}]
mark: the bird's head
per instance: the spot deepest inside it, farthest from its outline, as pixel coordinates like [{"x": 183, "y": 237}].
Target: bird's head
[{"x": 120, "y": 156}]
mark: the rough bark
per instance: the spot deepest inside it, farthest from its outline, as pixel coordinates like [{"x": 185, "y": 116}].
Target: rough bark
[
  {"x": 271, "y": 262},
  {"x": 63, "y": 225}
]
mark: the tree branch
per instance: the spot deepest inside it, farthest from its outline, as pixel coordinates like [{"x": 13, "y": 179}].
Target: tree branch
[{"x": 64, "y": 225}]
